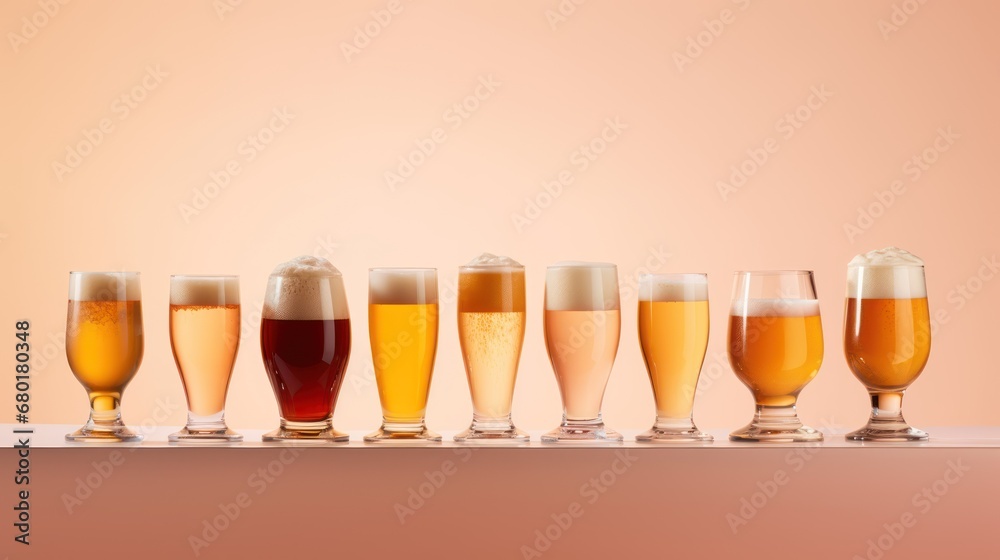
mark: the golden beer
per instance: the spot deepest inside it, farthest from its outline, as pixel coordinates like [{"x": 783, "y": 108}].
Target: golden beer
[
  {"x": 887, "y": 341},
  {"x": 403, "y": 330},
  {"x": 776, "y": 356},
  {"x": 673, "y": 336}
]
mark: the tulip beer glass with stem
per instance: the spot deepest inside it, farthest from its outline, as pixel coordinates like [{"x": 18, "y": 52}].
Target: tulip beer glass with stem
[
  {"x": 582, "y": 330},
  {"x": 775, "y": 348},
  {"x": 104, "y": 344},
  {"x": 887, "y": 337},
  {"x": 204, "y": 338},
  {"x": 673, "y": 335}
]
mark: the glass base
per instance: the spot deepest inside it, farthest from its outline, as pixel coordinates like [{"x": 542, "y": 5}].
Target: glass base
[
  {"x": 305, "y": 432},
  {"x": 776, "y": 424},
  {"x": 495, "y": 431},
  {"x": 673, "y": 431},
  {"x": 96, "y": 433},
  {"x": 875, "y": 432},
  {"x": 201, "y": 435},
  {"x": 402, "y": 433},
  {"x": 575, "y": 431}
]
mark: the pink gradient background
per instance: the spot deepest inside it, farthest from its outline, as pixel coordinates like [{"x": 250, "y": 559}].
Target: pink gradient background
[{"x": 322, "y": 178}]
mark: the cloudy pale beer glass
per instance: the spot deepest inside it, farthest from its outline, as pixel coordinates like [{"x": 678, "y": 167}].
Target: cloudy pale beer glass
[
  {"x": 775, "y": 349},
  {"x": 491, "y": 318},
  {"x": 582, "y": 330},
  {"x": 887, "y": 337},
  {"x": 305, "y": 340},
  {"x": 204, "y": 339},
  {"x": 403, "y": 330},
  {"x": 673, "y": 335},
  {"x": 104, "y": 344}
]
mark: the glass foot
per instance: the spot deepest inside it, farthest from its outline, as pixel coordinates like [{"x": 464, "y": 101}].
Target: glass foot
[
  {"x": 402, "y": 433},
  {"x": 582, "y": 432},
  {"x": 200, "y": 435},
  {"x": 113, "y": 433},
  {"x": 667, "y": 433},
  {"x": 305, "y": 432},
  {"x": 776, "y": 424},
  {"x": 887, "y": 433},
  {"x": 486, "y": 433}
]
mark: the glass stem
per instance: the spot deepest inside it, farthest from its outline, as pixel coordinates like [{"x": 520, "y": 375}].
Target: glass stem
[{"x": 887, "y": 407}]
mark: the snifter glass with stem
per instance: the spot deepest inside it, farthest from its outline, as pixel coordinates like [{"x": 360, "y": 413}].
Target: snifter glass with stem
[
  {"x": 673, "y": 336},
  {"x": 582, "y": 330},
  {"x": 775, "y": 349},
  {"x": 887, "y": 340},
  {"x": 204, "y": 339},
  {"x": 104, "y": 345}
]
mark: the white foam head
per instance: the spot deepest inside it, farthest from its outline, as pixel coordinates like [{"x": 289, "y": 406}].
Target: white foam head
[
  {"x": 402, "y": 286},
  {"x": 775, "y": 307},
  {"x": 491, "y": 263},
  {"x": 204, "y": 290},
  {"x": 889, "y": 273},
  {"x": 581, "y": 286},
  {"x": 673, "y": 287},
  {"x": 104, "y": 286},
  {"x": 305, "y": 288}
]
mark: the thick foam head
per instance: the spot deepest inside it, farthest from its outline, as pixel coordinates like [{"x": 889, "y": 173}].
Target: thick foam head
[
  {"x": 402, "y": 285},
  {"x": 889, "y": 273},
  {"x": 204, "y": 290},
  {"x": 104, "y": 286},
  {"x": 673, "y": 287},
  {"x": 489, "y": 261},
  {"x": 581, "y": 286},
  {"x": 775, "y": 307},
  {"x": 306, "y": 288}
]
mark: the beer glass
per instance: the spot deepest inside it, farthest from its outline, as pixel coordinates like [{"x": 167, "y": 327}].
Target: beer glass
[
  {"x": 775, "y": 348},
  {"x": 491, "y": 332},
  {"x": 673, "y": 335},
  {"x": 887, "y": 337},
  {"x": 305, "y": 340},
  {"x": 582, "y": 329},
  {"x": 204, "y": 338},
  {"x": 104, "y": 344},
  {"x": 403, "y": 328}
]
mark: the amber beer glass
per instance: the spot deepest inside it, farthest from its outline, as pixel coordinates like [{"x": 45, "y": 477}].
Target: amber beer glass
[
  {"x": 305, "y": 340},
  {"x": 775, "y": 348},
  {"x": 491, "y": 331},
  {"x": 104, "y": 344},
  {"x": 887, "y": 336},
  {"x": 403, "y": 328},
  {"x": 204, "y": 338},
  {"x": 582, "y": 330},
  {"x": 673, "y": 335}
]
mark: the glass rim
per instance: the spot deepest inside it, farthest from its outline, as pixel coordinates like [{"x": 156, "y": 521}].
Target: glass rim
[
  {"x": 904, "y": 265},
  {"x": 400, "y": 269},
  {"x": 121, "y": 272},
  {"x": 582, "y": 265},
  {"x": 773, "y": 272},
  {"x": 204, "y": 276},
  {"x": 487, "y": 267},
  {"x": 673, "y": 275}
]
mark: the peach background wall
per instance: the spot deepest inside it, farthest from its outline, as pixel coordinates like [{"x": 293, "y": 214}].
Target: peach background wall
[{"x": 839, "y": 97}]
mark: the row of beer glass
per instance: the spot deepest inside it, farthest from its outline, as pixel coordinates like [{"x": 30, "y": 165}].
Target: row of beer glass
[{"x": 775, "y": 344}]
